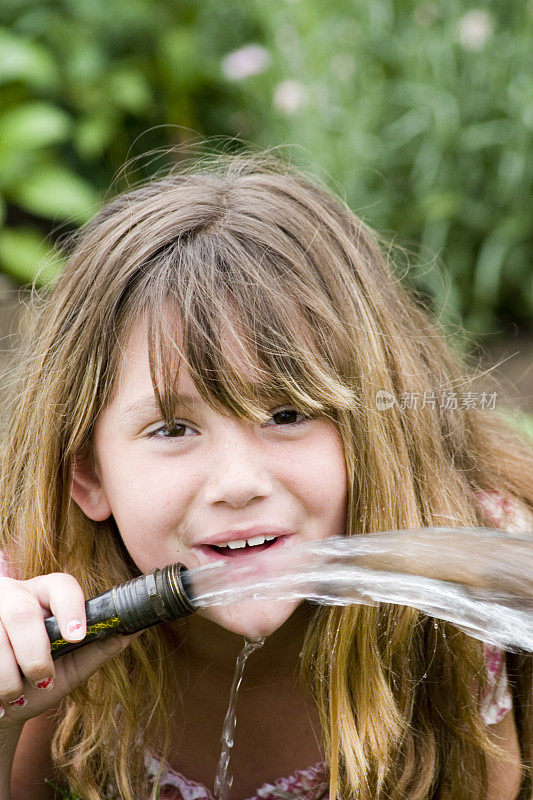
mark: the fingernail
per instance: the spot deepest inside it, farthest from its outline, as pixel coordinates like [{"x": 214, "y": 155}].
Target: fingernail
[
  {"x": 20, "y": 702},
  {"x": 45, "y": 685},
  {"x": 74, "y": 629},
  {"x": 2, "y": 711}
]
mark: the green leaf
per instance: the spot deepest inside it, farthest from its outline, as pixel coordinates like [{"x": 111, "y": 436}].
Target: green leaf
[
  {"x": 490, "y": 263},
  {"x": 15, "y": 164},
  {"x": 521, "y": 422},
  {"x": 487, "y": 134},
  {"x": 55, "y": 192},
  {"x": 179, "y": 56},
  {"x": 65, "y": 794},
  {"x": 33, "y": 125},
  {"x": 26, "y": 61},
  {"x": 439, "y": 205},
  {"x": 85, "y": 64},
  {"x": 129, "y": 89},
  {"x": 25, "y": 255},
  {"x": 93, "y": 134}
]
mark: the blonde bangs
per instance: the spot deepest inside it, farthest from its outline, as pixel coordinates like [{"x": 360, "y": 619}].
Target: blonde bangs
[{"x": 230, "y": 312}]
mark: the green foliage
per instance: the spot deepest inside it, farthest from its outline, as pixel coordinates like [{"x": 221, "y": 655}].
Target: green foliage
[
  {"x": 26, "y": 251},
  {"x": 64, "y": 794},
  {"x": 421, "y": 112},
  {"x": 522, "y": 423},
  {"x": 527, "y": 425}
]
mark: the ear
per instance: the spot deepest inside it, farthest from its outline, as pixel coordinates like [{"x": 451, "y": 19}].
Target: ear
[{"x": 87, "y": 491}]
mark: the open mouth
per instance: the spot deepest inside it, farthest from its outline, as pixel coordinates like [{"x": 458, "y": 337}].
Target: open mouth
[{"x": 242, "y": 552}]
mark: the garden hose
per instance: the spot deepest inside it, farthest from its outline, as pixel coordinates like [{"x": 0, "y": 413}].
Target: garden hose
[{"x": 160, "y": 596}]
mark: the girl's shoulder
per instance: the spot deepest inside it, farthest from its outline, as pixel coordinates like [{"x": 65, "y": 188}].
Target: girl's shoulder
[
  {"x": 509, "y": 514},
  {"x": 506, "y": 512},
  {"x": 5, "y": 569},
  {"x": 497, "y": 700}
]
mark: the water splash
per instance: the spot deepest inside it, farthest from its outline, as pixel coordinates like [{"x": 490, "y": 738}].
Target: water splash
[
  {"x": 223, "y": 781},
  {"x": 479, "y": 579}
]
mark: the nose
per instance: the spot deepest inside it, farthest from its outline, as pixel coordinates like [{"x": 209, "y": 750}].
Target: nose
[{"x": 238, "y": 473}]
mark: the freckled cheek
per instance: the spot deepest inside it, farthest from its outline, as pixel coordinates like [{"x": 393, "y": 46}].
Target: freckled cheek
[
  {"x": 160, "y": 499},
  {"x": 150, "y": 520},
  {"x": 148, "y": 500},
  {"x": 318, "y": 478},
  {"x": 327, "y": 498}
]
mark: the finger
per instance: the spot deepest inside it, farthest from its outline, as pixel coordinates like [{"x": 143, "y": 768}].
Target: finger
[
  {"x": 72, "y": 671},
  {"x": 63, "y": 595},
  {"x": 11, "y": 686},
  {"x": 22, "y": 620},
  {"x": 75, "y": 668}
]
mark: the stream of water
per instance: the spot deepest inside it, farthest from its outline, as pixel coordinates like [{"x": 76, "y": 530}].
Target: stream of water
[
  {"x": 479, "y": 579},
  {"x": 223, "y": 780}
]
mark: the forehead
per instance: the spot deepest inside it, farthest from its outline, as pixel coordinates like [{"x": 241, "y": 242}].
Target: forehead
[
  {"x": 235, "y": 360},
  {"x": 134, "y": 365}
]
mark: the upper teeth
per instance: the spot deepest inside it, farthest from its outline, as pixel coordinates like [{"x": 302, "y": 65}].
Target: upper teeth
[{"x": 243, "y": 542}]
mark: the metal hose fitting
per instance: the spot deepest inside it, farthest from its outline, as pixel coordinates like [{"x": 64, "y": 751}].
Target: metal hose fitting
[{"x": 160, "y": 596}]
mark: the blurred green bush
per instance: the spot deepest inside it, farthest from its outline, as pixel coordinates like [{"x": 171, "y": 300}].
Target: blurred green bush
[
  {"x": 420, "y": 112},
  {"x": 522, "y": 422}
]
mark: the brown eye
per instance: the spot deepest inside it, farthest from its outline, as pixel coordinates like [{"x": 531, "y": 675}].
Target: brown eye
[
  {"x": 286, "y": 416},
  {"x": 176, "y": 430}
]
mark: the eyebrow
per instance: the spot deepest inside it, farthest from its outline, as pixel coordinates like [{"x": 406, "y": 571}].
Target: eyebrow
[
  {"x": 149, "y": 404},
  {"x": 185, "y": 402}
]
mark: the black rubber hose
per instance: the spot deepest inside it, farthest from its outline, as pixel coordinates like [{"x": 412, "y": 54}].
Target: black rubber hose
[{"x": 160, "y": 596}]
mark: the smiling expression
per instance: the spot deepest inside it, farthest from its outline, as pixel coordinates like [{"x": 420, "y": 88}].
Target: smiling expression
[{"x": 180, "y": 493}]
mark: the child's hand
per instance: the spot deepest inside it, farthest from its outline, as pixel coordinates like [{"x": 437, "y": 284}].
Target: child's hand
[{"x": 25, "y": 646}]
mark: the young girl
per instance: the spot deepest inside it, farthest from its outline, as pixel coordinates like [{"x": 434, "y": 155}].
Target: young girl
[{"x": 206, "y": 371}]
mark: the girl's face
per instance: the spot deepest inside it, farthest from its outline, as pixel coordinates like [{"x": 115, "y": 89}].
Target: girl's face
[{"x": 177, "y": 494}]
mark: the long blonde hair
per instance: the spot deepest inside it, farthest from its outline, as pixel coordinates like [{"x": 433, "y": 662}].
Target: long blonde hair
[{"x": 327, "y": 323}]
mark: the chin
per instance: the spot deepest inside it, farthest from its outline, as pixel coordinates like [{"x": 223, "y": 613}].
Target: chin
[{"x": 253, "y": 618}]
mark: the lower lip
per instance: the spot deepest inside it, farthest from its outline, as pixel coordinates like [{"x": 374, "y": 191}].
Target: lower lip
[{"x": 242, "y": 553}]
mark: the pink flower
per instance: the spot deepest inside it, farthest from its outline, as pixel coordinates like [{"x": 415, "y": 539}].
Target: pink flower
[
  {"x": 249, "y": 60},
  {"x": 289, "y": 96},
  {"x": 475, "y": 29}
]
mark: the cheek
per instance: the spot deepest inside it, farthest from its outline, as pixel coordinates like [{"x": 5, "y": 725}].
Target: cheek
[
  {"x": 319, "y": 477},
  {"x": 136, "y": 484},
  {"x": 148, "y": 504}
]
